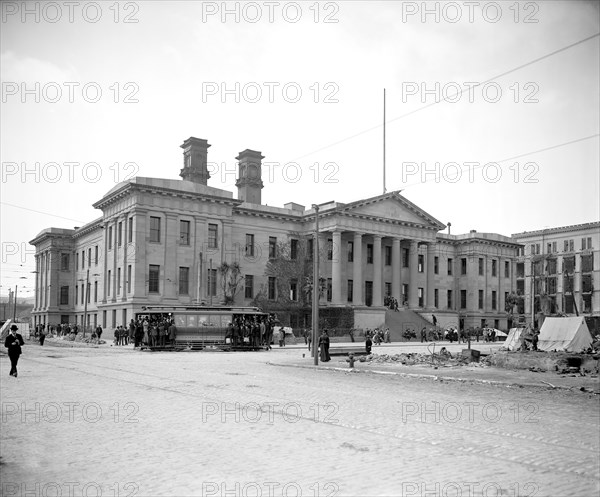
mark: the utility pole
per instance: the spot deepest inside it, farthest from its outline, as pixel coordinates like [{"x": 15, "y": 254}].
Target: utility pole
[
  {"x": 315, "y": 294},
  {"x": 15, "y": 304}
]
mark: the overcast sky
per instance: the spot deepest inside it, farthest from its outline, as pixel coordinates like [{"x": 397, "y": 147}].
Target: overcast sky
[{"x": 117, "y": 87}]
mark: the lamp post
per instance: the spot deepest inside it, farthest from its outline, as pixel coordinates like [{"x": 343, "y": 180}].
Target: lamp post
[{"x": 315, "y": 294}]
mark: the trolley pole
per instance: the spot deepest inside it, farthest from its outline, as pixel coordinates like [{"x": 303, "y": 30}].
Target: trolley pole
[{"x": 315, "y": 293}]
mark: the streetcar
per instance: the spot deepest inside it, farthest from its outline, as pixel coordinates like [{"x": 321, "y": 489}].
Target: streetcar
[{"x": 210, "y": 327}]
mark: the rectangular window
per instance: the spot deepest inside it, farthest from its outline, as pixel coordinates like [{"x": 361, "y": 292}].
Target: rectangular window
[
  {"x": 310, "y": 249},
  {"x": 449, "y": 267},
  {"x": 76, "y": 295},
  {"x": 566, "y": 246},
  {"x": 249, "y": 286},
  {"x": 520, "y": 270},
  {"x": 436, "y": 265},
  {"x": 129, "y": 278},
  {"x": 350, "y": 251},
  {"x": 271, "y": 288},
  {"x": 184, "y": 232},
  {"x": 463, "y": 299},
  {"x": 583, "y": 244},
  {"x": 587, "y": 263},
  {"x": 64, "y": 262},
  {"x": 76, "y": 261},
  {"x": 329, "y": 289},
  {"x": 96, "y": 255},
  {"x": 420, "y": 295},
  {"x": 89, "y": 256},
  {"x": 293, "y": 289},
  {"x": 549, "y": 248},
  {"x": 554, "y": 248},
  {"x": 551, "y": 286},
  {"x": 212, "y": 282},
  {"x": 130, "y": 228},
  {"x": 109, "y": 279},
  {"x": 95, "y": 291},
  {"x": 405, "y": 257},
  {"x": 481, "y": 266},
  {"x": 480, "y": 300},
  {"x": 569, "y": 264},
  {"x": 293, "y": 249},
  {"x": 463, "y": 266},
  {"x": 587, "y": 303},
  {"x": 404, "y": 293},
  {"x": 83, "y": 259},
  {"x": 272, "y": 247},
  {"x": 110, "y": 238},
  {"x": 494, "y": 268},
  {"x": 494, "y": 303},
  {"x": 329, "y": 249},
  {"x": 388, "y": 255},
  {"x": 88, "y": 293},
  {"x": 64, "y": 295},
  {"x": 586, "y": 283},
  {"x": 350, "y": 291},
  {"x": 153, "y": 278},
  {"x": 436, "y": 296},
  {"x": 213, "y": 231},
  {"x": 506, "y": 269},
  {"x": 571, "y": 245},
  {"x": 119, "y": 281},
  {"x": 155, "y": 229},
  {"x": 551, "y": 266},
  {"x": 82, "y": 295},
  {"x": 420, "y": 263},
  {"x": 369, "y": 253},
  {"x": 589, "y": 243},
  {"x": 184, "y": 280},
  {"x": 250, "y": 245},
  {"x": 388, "y": 289},
  {"x": 120, "y": 234},
  {"x": 537, "y": 248}
]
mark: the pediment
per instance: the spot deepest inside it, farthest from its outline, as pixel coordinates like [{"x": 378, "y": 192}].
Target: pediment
[{"x": 394, "y": 207}]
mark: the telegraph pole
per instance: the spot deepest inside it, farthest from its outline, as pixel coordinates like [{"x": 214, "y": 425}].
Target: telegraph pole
[{"x": 15, "y": 304}]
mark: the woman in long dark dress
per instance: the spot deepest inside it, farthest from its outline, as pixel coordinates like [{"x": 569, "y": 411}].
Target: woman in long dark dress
[{"x": 324, "y": 347}]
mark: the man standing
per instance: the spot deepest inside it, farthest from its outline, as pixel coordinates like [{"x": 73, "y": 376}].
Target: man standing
[
  {"x": 324, "y": 347},
  {"x": 434, "y": 320},
  {"x": 172, "y": 333},
  {"x": 42, "y": 336},
  {"x": 13, "y": 343}
]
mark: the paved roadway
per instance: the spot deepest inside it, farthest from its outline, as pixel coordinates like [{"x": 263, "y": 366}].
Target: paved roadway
[{"x": 118, "y": 422}]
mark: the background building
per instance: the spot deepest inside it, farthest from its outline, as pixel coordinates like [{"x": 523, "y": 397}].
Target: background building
[
  {"x": 166, "y": 241},
  {"x": 559, "y": 267}
]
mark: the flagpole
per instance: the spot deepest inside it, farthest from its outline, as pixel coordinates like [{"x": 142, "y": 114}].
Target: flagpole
[{"x": 384, "y": 189}]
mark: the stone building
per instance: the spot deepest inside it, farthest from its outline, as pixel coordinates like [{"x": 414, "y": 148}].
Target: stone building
[
  {"x": 162, "y": 240},
  {"x": 559, "y": 266}
]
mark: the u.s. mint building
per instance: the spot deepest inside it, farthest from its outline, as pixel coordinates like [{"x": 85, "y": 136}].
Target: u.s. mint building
[{"x": 162, "y": 240}]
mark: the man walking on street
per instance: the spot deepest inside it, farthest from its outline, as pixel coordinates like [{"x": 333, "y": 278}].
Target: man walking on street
[{"x": 13, "y": 343}]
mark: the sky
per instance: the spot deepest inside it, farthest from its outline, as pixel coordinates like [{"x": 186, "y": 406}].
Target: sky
[{"x": 492, "y": 108}]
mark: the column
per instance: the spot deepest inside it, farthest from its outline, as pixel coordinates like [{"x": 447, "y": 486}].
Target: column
[
  {"x": 396, "y": 288},
  {"x": 140, "y": 265},
  {"x": 413, "y": 263},
  {"x": 37, "y": 282},
  {"x": 105, "y": 268},
  {"x": 170, "y": 274},
  {"x": 336, "y": 268},
  {"x": 377, "y": 272},
  {"x": 113, "y": 290},
  {"x": 429, "y": 295},
  {"x": 357, "y": 282},
  {"x": 125, "y": 258}
]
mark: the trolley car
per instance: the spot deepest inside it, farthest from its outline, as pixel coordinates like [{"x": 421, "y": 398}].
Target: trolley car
[{"x": 200, "y": 327}]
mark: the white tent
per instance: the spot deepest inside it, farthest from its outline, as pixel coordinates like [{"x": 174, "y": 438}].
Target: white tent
[
  {"x": 570, "y": 334},
  {"x": 513, "y": 342}
]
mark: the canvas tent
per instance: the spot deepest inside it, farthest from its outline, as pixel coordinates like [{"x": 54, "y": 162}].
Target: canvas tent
[
  {"x": 570, "y": 334},
  {"x": 513, "y": 341}
]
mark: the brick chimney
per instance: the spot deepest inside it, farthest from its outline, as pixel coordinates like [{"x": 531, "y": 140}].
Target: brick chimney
[
  {"x": 195, "y": 152},
  {"x": 249, "y": 182}
]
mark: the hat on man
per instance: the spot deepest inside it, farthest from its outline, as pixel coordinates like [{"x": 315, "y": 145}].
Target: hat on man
[{"x": 14, "y": 327}]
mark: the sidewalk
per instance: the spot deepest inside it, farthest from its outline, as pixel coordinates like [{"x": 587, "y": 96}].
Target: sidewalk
[{"x": 474, "y": 373}]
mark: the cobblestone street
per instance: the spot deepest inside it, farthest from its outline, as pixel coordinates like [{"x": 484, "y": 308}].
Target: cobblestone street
[{"x": 120, "y": 422}]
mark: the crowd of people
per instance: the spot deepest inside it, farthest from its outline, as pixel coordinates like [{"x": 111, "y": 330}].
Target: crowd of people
[{"x": 253, "y": 331}]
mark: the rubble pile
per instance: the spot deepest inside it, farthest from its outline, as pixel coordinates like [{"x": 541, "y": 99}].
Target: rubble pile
[{"x": 443, "y": 358}]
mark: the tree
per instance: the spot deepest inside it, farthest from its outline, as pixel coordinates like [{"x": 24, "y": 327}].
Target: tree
[{"x": 231, "y": 276}]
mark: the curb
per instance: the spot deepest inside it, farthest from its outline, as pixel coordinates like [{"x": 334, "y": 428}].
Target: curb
[{"x": 432, "y": 377}]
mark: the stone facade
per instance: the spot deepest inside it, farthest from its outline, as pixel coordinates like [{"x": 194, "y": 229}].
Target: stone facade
[
  {"x": 161, "y": 240},
  {"x": 561, "y": 267}
]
